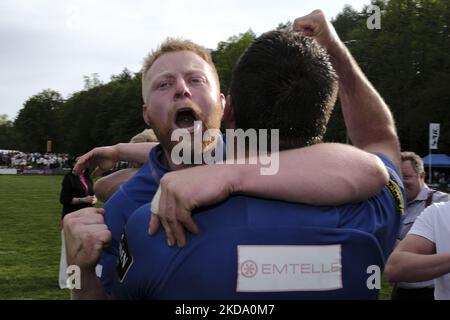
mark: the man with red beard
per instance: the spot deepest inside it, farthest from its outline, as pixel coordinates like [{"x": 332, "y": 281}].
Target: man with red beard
[
  {"x": 253, "y": 248},
  {"x": 180, "y": 85},
  {"x": 197, "y": 94}
]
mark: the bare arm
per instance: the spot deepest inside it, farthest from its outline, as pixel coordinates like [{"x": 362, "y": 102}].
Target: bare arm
[
  {"x": 322, "y": 174},
  {"x": 106, "y": 186},
  {"x": 135, "y": 152},
  {"x": 326, "y": 174},
  {"x": 87, "y": 199},
  {"x": 369, "y": 122},
  {"x": 415, "y": 259},
  {"x": 105, "y": 158},
  {"x": 91, "y": 287}
]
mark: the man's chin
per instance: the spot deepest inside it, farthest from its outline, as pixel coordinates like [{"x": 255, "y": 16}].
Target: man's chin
[
  {"x": 198, "y": 127},
  {"x": 195, "y": 148}
]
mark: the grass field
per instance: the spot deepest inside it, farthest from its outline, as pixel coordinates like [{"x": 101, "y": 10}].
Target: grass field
[{"x": 30, "y": 238}]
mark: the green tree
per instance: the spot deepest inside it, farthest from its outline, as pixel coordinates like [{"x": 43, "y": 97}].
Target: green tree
[
  {"x": 3, "y": 119},
  {"x": 124, "y": 76},
  {"x": 37, "y": 123},
  {"x": 407, "y": 61},
  {"x": 284, "y": 26},
  {"x": 103, "y": 115},
  {"x": 8, "y": 137},
  {"x": 346, "y": 21},
  {"x": 227, "y": 54},
  {"x": 91, "y": 81}
]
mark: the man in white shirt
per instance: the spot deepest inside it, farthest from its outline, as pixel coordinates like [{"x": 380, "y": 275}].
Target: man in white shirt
[
  {"x": 425, "y": 252},
  {"x": 419, "y": 196}
]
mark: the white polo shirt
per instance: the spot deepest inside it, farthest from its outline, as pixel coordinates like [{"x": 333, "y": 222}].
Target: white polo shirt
[{"x": 434, "y": 224}]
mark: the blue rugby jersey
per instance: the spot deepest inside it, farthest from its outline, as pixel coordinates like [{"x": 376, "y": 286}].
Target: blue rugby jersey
[
  {"x": 218, "y": 263},
  {"x": 135, "y": 192}
]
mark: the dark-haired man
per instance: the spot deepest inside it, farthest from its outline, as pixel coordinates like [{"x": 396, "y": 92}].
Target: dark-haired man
[{"x": 180, "y": 85}]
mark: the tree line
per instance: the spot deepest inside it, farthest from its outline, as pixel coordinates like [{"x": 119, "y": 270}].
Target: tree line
[{"x": 407, "y": 60}]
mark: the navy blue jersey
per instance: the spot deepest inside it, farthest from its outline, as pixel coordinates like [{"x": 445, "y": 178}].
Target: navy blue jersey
[
  {"x": 137, "y": 191},
  {"x": 251, "y": 248}
]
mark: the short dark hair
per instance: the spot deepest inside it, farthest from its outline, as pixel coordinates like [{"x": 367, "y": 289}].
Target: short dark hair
[{"x": 284, "y": 81}]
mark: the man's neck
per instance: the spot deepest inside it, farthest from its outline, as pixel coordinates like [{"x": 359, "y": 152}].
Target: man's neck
[
  {"x": 167, "y": 162},
  {"x": 422, "y": 194}
]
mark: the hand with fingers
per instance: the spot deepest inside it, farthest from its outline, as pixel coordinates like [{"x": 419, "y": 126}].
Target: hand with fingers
[
  {"x": 315, "y": 25},
  {"x": 88, "y": 199},
  {"x": 86, "y": 234},
  {"x": 180, "y": 192},
  {"x": 100, "y": 158},
  {"x": 156, "y": 222}
]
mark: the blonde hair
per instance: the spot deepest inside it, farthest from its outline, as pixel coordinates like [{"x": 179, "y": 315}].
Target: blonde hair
[
  {"x": 416, "y": 161},
  {"x": 174, "y": 45},
  {"x": 148, "y": 135}
]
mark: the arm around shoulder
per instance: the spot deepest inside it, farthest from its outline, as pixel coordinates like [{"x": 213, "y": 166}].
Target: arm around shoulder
[{"x": 322, "y": 174}]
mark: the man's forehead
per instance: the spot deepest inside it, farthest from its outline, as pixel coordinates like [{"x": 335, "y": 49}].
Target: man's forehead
[
  {"x": 178, "y": 61},
  {"x": 407, "y": 165}
]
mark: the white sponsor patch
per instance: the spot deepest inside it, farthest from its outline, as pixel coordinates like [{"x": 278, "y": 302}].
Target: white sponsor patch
[
  {"x": 289, "y": 268},
  {"x": 99, "y": 270}
]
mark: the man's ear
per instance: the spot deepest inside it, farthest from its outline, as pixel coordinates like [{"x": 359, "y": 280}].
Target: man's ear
[
  {"x": 145, "y": 115},
  {"x": 422, "y": 176},
  {"x": 228, "y": 114},
  {"x": 222, "y": 101}
]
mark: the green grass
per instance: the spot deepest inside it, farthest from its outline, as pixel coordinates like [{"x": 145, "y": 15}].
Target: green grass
[
  {"x": 30, "y": 238},
  {"x": 386, "y": 290}
]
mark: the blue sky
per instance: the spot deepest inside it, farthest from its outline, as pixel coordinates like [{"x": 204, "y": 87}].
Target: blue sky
[{"x": 53, "y": 44}]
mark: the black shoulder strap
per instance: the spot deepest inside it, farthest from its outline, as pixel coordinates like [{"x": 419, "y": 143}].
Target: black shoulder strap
[{"x": 430, "y": 198}]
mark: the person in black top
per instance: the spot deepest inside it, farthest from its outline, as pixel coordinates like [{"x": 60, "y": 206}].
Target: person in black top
[{"x": 76, "y": 193}]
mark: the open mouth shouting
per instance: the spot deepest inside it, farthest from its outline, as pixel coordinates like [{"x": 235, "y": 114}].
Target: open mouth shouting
[{"x": 185, "y": 119}]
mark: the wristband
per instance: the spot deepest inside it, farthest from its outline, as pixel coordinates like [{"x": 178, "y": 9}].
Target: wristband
[{"x": 81, "y": 200}]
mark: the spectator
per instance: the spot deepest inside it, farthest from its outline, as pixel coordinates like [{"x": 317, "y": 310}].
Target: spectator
[
  {"x": 76, "y": 193},
  {"x": 419, "y": 196},
  {"x": 424, "y": 254}
]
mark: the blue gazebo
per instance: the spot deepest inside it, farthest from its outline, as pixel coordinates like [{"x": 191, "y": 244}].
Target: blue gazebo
[{"x": 437, "y": 160}]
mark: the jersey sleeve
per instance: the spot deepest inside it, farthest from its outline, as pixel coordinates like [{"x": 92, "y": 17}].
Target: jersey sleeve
[
  {"x": 380, "y": 215},
  {"x": 395, "y": 185}
]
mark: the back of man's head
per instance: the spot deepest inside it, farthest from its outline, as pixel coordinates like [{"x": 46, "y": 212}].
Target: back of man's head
[{"x": 284, "y": 81}]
